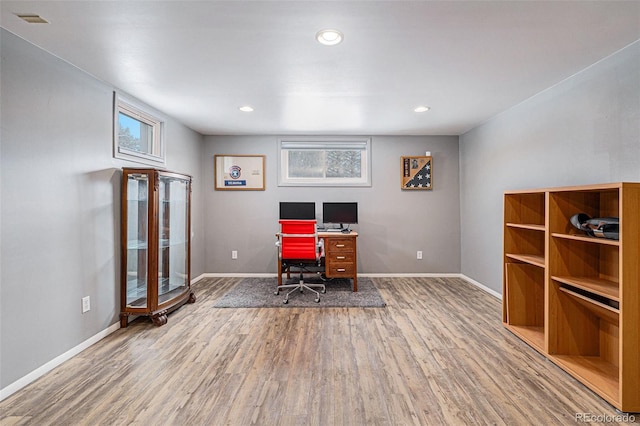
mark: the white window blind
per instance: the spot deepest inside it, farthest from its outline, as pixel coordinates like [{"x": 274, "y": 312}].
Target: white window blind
[{"x": 327, "y": 161}]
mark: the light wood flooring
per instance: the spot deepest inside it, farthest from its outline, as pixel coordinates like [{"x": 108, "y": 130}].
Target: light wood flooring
[{"x": 436, "y": 355}]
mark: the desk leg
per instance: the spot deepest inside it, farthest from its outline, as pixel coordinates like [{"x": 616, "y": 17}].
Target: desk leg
[
  {"x": 355, "y": 283},
  {"x": 279, "y": 272}
]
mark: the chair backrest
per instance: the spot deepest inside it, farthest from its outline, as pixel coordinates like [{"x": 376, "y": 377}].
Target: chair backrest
[{"x": 299, "y": 239}]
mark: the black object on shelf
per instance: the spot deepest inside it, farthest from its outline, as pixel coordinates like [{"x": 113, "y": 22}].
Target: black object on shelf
[{"x": 601, "y": 227}]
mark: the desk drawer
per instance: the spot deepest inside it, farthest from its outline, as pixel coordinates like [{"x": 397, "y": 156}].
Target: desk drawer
[
  {"x": 340, "y": 245},
  {"x": 337, "y": 269},
  {"x": 340, "y": 257}
]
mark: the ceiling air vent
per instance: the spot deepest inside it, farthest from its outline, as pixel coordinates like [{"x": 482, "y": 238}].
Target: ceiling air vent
[{"x": 32, "y": 19}]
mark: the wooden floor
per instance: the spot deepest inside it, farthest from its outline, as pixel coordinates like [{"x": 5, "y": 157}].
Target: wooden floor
[{"x": 436, "y": 355}]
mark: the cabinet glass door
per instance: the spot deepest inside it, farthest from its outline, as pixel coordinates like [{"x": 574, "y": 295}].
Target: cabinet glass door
[
  {"x": 137, "y": 239},
  {"x": 174, "y": 239}
]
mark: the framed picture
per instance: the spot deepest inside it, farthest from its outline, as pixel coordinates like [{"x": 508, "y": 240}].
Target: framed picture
[
  {"x": 239, "y": 172},
  {"x": 416, "y": 172}
]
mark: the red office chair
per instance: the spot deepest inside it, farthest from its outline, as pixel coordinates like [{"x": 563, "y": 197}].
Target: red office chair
[{"x": 298, "y": 245}]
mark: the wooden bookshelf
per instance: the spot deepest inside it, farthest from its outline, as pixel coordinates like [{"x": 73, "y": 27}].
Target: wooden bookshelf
[
  {"x": 575, "y": 298},
  {"x": 524, "y": 266}
]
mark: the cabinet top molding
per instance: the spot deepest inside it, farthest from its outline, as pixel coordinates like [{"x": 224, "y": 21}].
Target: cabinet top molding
[{"x": 594, "y": 187}]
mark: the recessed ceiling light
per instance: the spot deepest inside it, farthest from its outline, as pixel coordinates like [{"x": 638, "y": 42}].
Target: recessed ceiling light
[
  {"x": 246, "y": 108},
  {"x": 421, "y": 108},
  {"x": 329, "y": 37},
  {"x": 32, "y": 18}
]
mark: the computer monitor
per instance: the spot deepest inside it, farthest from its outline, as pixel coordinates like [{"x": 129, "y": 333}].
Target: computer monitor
[
  {"x": 340, "y": 212},
  {"x": 298, "y": 210}
]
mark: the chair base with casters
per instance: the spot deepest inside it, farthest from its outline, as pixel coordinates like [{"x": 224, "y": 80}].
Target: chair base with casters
[
  {"x": 298, "y": 245},
  {"x": 301, "y": 285}
]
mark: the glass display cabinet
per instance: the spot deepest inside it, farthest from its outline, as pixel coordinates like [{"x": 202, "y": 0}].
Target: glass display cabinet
[{"x": 156, "y": 244}]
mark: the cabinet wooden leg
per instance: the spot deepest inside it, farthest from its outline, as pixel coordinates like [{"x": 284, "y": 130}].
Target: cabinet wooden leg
[
  {"x": 192, "y": 298},
  {"x": 124, "y": 320},
  {"x": 159, "y": 319}
]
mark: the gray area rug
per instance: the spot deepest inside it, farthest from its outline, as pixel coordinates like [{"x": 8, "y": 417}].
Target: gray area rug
[{"x": 259, "y": 293}]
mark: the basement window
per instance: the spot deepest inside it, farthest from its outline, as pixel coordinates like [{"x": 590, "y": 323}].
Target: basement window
[
  {"x": 138, "y": 134},
  {"x": 325, "y": 161}
]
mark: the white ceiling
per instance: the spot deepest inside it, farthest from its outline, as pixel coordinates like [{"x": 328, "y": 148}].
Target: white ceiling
[{"x": 198, "y": 61}]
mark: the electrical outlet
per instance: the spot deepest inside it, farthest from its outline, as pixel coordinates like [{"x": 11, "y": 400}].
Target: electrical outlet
[
  {"x": 419, "y": 255},
  {"x": 234, "y": 254},
  {"x": 86, "y": 304}
]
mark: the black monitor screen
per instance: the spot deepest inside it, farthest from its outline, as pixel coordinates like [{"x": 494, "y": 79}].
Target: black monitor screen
[
  {"x": 298, "y": 211},
  {"x": 340, "y": 213}
]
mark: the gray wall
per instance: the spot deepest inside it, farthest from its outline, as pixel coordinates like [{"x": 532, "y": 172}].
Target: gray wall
[
  {"x": 393, "y": 224},
  {"x": 60, "y": 206},
  {"x": 584, "y": 130}
]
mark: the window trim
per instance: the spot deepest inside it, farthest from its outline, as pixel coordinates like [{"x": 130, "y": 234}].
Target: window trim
[
  {"x": 137, "y": 111},
  {"x": 319, "y": 143}
]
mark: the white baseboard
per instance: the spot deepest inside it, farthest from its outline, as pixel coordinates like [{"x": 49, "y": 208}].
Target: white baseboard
[
  {"x": 41, "y": 371},
  {"x": 237, "y": 275},
  {"x": 444, "y": 275},
  {"x": 481, "y": 286},
  {"x": 411, "y": 274},
  {"x": 198, "y": 278},
  {"x": 429, "y": 275}
]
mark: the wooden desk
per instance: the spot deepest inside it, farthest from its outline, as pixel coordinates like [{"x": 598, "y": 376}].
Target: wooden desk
[{"x": 340, "y": 256}]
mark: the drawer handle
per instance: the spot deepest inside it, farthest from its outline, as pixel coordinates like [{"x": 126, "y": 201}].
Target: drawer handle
[
  {"x": 340, "y": 257},
  {"x": 339, "y": 245},
  {"x": 341, "y": 269}
]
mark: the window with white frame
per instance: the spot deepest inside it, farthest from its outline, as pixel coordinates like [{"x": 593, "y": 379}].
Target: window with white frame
[
  {"x": 138, "y": 134},
  {"x": 326, "y": 161}
]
